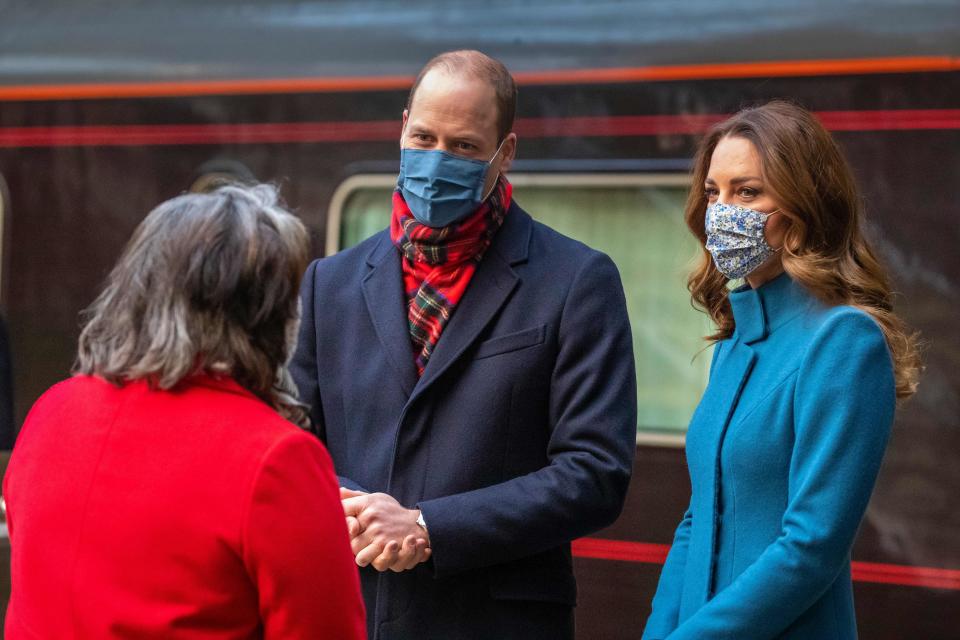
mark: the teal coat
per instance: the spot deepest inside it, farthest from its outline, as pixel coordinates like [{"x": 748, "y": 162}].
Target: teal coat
[{"x": 783, "y": 452}]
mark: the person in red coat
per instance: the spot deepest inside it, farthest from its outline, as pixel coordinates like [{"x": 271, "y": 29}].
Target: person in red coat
[{"x": 168, "y": 489}]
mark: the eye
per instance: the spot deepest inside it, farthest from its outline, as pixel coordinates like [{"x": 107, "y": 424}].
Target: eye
[
  {"x": 748, "y": 192},
  {"x": 710, "y": 193},
  {"x": 466, "y": 146}
]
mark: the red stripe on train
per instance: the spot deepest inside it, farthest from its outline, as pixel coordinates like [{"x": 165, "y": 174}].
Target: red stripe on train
[
  {"x": 603, "y": 549},
  {"x": 645, "y": 552},
  {"x": 337, "y": 84},
  {"x": 389, "y": 130}
]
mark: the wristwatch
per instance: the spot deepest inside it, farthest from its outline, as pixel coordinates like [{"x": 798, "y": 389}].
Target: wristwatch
[{"x": 421, "y": 522}]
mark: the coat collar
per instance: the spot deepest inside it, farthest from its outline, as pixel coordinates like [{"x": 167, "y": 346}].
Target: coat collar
[
  {"x": 513, "y": 241},
  {"x": 218, "y": 381},
  {"x": 758, "y": 312}
]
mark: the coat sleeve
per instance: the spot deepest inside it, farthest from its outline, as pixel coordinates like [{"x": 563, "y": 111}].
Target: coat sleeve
[
  {"x": 296, "y": 548},
  {"x": 303, "y": 364},
  {"x": 666, "y": 602},
  {"x": 590, "y": 452},
  {"x": 843, "y": 412}
]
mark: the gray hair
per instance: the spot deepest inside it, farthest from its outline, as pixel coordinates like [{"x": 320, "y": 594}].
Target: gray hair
[{"x": 208, "y": 283}]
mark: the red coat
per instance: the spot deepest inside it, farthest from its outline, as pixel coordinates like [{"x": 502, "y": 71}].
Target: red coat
[{"x": 199, "y": 513}]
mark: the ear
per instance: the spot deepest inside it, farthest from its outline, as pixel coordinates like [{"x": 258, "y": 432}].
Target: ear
[
  {"x": 509, "y": 152},
  {"x": 403, "y": 128}
]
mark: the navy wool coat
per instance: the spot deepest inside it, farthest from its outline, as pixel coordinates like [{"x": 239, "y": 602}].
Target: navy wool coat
[{"x": 518, "y": 438}]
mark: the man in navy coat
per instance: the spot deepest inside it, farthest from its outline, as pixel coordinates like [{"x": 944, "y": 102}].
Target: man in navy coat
[{"x": 471, "y": 373}]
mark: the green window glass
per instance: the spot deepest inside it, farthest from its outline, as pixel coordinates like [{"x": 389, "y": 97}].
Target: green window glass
[{"x": 638, "y": 222}]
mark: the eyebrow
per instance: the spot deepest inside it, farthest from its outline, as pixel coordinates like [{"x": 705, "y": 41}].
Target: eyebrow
[
  {"x": 419, "y": 128},
  {"x": 471, "y": 137},
  {"x": 737, "y": 180}
]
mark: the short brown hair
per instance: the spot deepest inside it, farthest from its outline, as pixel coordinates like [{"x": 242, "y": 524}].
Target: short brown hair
[
  {"x": 481, "y": 66},
  {"x": 208, "y": 283}
]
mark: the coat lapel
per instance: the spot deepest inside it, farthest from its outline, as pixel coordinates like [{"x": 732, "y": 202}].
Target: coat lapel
[
  {"x": 492, "y": 284},
  {"x": 736, "y": 369},
  {"x": 387, "y": 306},
  {"x": 490, "y": 288},
  {"x": 716, "y": 408}
]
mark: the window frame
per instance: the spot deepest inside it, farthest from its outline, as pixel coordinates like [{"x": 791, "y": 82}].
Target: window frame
[{"x": 345, "y": 189}]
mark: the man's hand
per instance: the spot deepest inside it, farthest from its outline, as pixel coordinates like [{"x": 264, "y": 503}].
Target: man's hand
[{"x": 384, "y": 533}]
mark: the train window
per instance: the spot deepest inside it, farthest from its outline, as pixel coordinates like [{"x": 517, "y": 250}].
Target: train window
[{"x": 638, "y": 221}]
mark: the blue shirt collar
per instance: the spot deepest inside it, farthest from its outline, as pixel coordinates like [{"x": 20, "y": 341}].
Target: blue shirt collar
[{"x": 758, "y": 312}]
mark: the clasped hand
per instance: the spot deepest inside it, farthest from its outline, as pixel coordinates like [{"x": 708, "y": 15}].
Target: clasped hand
[{"x": 383, "y": 533}]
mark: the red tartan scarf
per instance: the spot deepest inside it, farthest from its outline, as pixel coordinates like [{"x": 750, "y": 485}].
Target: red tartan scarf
[{"x": 439, "y": 263}]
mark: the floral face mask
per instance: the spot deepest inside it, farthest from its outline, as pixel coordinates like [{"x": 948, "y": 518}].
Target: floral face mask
[{"x": 735, "y": 239}]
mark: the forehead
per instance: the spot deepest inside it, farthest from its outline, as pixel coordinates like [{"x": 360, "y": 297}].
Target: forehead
[
  {"x": 734, "y": 157},
  {"x": 448, "y": 99}
]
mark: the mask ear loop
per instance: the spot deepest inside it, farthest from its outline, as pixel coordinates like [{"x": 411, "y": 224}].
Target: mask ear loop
[
  {"x": 767, "y": 217},
  {"x": 497, "y": 152},
  {"x": 490, "y": 162}
]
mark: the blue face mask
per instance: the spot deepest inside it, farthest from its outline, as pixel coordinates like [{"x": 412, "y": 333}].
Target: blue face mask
[
  {"x": 439, "y": 187},
  {"x": 735, "y": 239}
]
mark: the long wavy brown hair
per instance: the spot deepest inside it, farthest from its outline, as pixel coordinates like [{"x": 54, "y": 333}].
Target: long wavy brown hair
[
  {"x": 208, "y": 283},
  {"x": 824, "y": 247}
]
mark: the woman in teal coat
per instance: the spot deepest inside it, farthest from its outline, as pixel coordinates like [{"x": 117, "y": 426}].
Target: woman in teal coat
[{"x": 809, "y": 361}]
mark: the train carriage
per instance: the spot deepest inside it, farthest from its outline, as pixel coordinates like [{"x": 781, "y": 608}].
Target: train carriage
[{"x": 107, "y": 109}]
